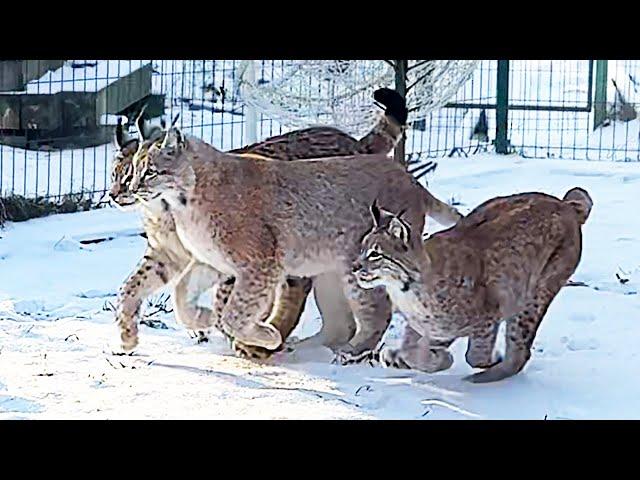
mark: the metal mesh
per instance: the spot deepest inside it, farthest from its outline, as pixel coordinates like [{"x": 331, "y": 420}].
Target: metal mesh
[{"x": 553, "y": 105}]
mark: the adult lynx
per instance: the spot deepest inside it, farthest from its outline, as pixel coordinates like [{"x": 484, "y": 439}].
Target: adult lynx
[{"x": 261, "y": 220}]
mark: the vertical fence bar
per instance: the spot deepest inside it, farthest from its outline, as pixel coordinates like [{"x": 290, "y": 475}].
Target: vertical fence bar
[
  {"x": 502, "y": 107},
  {"x": 401, "y": 67},
  {"x": 600, "y": 101}
]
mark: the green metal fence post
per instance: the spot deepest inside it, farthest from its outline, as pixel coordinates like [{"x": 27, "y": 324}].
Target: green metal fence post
[
  {"x": 401, "y": 67},
  {"x": 600, "y": 101},
  {"x": 502, "y": 107}
]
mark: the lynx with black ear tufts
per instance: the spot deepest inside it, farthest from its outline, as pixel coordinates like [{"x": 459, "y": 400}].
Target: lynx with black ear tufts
[
  {"x": 504, "y": 262},
  {"x": 340, "y": 326}
]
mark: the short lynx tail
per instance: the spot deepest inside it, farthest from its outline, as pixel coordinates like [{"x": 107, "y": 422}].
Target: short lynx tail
[
  {"x": 396, "y": 106},
  {"x": 580, "y": 200}
]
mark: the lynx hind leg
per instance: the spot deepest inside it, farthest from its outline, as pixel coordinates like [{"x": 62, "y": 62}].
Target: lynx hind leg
[
  {"x": 285, "y": 316},
  {"x": 193, "y": 281},
  {"x": 521, "y": 331},
  {"x": 372, "y": 311},
  {"x": 221, "y": 297},
  {"x": 522, "y": 327},
  {"x": 482, "y": 341},
  {"x": 152, "y": 273},
  {"x": 338, "y": 324},
  {"x": 249, "y": 303}
]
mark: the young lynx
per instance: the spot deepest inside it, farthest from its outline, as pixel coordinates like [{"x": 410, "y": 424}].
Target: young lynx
[
  {"x": 261, "y": 220},
  {"x": 506, "y": 260},
  {"x": 166, "y": 257}
]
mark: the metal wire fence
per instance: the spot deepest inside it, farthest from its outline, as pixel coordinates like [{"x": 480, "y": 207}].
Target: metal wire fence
[{"x": 553, "y": 108}]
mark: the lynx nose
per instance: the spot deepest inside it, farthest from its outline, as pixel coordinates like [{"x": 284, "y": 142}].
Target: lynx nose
[{"x": 356, "y": 266}]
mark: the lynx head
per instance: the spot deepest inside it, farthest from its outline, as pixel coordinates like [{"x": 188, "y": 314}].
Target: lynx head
[
  {"x": 122, "y": 166},
  {"x": 159, "y": 165},
  {"x": 387, "y": 255},
  {"x": 122, "y": 163}
]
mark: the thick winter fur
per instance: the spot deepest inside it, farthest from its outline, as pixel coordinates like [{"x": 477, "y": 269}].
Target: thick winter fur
[
  {"x": 261, "y": 221},
  {"x": 506, "y": 260},
  {"x": 167, "y": 256}
]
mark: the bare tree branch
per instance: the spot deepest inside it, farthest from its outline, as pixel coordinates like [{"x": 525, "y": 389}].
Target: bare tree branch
[
  {"x": 418, "y": 64},
  {"x": 427, "y": 74}
]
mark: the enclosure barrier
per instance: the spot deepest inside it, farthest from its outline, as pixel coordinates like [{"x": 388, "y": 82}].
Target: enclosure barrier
[{"x": 57, "y": 117}]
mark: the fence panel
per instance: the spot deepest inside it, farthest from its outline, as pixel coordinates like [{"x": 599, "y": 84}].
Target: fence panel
[{"x": 551, "y": 114}]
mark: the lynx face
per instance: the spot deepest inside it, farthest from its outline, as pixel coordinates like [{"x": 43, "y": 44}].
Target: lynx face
[
  {"x": 123, "y": 168},
  {"x": 386, "y": 254},
  {"x": 156, "y": 166}
]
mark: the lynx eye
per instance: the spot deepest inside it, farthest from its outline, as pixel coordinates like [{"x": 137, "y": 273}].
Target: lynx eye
[{"x": 373, "y": 254}]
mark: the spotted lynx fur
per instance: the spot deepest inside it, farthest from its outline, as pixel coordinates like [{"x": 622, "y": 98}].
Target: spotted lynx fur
[
  {"x": 166, "y": 257},
  {"x": 506, "y": 260},
  {"x": 261, "y": 221}
]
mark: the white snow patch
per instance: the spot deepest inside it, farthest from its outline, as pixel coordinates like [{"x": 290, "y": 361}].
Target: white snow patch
[{"x": 57, "y": 338}]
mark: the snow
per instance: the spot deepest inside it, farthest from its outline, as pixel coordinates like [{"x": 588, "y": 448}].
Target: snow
[{"x": 57, "y": 339}]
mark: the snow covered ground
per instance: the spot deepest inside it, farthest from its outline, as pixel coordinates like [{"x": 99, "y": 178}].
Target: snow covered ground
[{"x": 57, "y": 341}]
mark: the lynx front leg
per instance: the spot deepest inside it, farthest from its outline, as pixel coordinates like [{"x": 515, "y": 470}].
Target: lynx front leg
[
  {"x": 220, "y": 299},
  {"x": 419, "y": 353},
  {"x": 287, "y": 310},
  {"x": 249, "y": 303},
  {"x": 372, "y": 311},
  {"x": 285, "y": 316},
  {"x": 152, "y": 273}
]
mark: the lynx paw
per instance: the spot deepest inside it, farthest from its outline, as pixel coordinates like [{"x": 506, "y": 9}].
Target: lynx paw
[
  {"x": 201, "y": 337},
  {"x": 260, "y": 335},
  {"x": 498, "y": 372},
  {"x": 392, "y": 358},
  {"x": 251, "y": 352},
  {"x": 128, "y": 335},
  {"x": 484, "y": 360}
]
